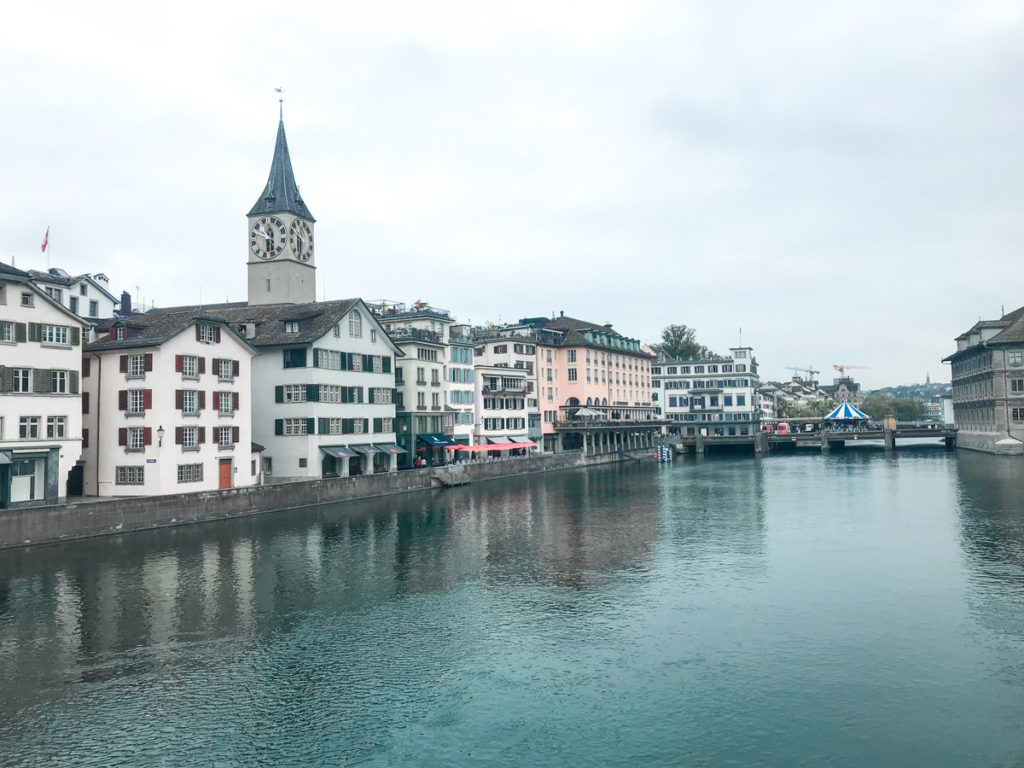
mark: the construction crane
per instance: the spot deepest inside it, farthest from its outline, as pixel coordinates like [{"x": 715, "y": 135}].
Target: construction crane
[
  {"x": 844, "y": 368},
  {"x": 808, "y": 370}
]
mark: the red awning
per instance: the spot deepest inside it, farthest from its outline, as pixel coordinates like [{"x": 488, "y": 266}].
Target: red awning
[{"x": 492, "y": 447}]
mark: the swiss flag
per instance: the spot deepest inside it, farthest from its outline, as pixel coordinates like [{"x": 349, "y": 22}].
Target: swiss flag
[{"x": 46, "y": 239}]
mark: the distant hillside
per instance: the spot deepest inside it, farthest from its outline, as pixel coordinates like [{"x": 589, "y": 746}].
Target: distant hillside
[{"x": 915, "y": 391}]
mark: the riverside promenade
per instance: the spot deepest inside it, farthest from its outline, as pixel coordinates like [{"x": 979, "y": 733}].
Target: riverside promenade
[{"x": 88, "y": 517}]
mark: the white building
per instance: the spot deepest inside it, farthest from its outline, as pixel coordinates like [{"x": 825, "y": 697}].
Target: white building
[
  {"x": 460, "y": 391},
  {"x": 166, "y": 398},
  {"x": 40, "y": 404},
  {"x": 88, "y": 295},
  {"x": 717, "y": 397},
  {"x": 506, "y": 404}
]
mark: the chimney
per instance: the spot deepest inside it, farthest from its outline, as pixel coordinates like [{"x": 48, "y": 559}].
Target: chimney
[{"x": 126, "y": 303}]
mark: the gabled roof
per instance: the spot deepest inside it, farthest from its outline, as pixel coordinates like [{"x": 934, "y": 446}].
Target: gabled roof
[
  {"x": 1013, "y": 331},
  {"x": 153, "y": 329},
  {"x": 316, "y": 319},
  {"x": 49, "y": 277},
  {"x": 13, "y": 273},
  {"x": 281, "y": 195}
]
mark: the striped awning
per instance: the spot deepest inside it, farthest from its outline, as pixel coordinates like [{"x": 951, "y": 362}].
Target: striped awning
[{"x": 845, "y": 411}]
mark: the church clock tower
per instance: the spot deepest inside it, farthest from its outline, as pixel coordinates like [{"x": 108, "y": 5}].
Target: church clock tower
[{"x": 281, "y": 263}]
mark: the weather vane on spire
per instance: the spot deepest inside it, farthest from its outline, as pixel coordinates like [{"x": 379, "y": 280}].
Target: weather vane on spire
[{"x": 280, "y": 100}]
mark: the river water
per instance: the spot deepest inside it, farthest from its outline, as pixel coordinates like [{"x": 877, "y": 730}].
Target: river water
[{"x": 849, "y": 609}]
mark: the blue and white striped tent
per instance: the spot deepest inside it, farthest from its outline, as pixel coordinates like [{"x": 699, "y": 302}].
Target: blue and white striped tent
[{"x": 845, "y": 411}]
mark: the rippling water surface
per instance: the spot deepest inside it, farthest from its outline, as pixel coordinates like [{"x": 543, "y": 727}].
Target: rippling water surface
[{"x": 851, "y": 609}]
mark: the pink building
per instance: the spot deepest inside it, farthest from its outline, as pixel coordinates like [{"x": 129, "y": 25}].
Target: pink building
[{"x": 594, "y": 386}]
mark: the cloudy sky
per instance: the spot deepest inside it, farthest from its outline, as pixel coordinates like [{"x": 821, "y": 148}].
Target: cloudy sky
[{"x": 845, "y": 183}]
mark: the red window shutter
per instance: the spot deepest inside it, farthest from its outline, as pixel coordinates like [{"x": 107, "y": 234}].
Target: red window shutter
[
  {"x": 198, "y": 334},
  {"x": 124, "y": 363},
  {"x": 179, "y": 435},
  {"x": 86, "y": 367},
  {"x": 122, "y": 436},
  {"x": 179, "y": 398},
  {"x": 85, "y": 402},
  {"x": 147, "y": 399},
  {"x": 234, "y": 434},
  {"x": 234, "y": 367},
  {"x": 147, "y": 435},
  {"x": 149, "y": 362},
  {"x": 122, "y": 400},
  {"x": 179, "y": 363},
  {"x": 234, "y": 401},
  {"x": 216, "y": 401},
  {"x": 201, "y": 396},
  {"x": 216, "y": 334},
  {"x": 202, "y": 435},
  {"x": 85, "y": 438},
  {"x": 202, "y": 365}
]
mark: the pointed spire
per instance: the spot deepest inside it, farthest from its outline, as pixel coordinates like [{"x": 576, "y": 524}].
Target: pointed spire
[{"x": 282, "y": 193}]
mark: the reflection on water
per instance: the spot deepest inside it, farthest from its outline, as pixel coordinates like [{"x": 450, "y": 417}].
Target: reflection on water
[{"x": 853, "y": 608}]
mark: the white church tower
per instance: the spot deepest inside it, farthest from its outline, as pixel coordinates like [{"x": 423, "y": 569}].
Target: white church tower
[{"x": 281, "y": 263}]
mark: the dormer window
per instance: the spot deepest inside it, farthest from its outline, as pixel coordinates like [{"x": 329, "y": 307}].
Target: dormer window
[
  {"x": 291, "y": 326},
  {"x": 120, "y": 333}
]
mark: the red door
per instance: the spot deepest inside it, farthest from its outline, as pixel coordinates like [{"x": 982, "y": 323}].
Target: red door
[{"x": 225, "y": 473}]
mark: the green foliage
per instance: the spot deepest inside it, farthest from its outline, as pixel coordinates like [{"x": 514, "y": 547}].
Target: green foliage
[
  {"x": 679, "y": 342},
  {"x": 878, "y": 405},
  {"x": 790, "y": 409}
]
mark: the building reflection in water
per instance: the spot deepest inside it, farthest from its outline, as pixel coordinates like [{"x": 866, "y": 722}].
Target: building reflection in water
[{"x": 991, "y": 502}]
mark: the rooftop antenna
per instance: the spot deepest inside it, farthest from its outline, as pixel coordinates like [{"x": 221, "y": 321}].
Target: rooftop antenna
[{"x": 741, "y": 335}]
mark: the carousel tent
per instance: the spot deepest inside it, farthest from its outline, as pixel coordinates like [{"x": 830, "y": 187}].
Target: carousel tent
[{"x": 845, "y": 411}]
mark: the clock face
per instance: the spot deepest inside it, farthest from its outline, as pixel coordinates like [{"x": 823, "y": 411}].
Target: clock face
[
  {"x": 301, "y": 240},
  {"x": 267, "y": 237}
]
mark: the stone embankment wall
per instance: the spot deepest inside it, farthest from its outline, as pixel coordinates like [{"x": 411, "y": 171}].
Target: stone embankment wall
[{"x": 76, "y": 520}]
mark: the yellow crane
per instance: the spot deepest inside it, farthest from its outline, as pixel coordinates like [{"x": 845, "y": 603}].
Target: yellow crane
[{"x": 843, "y": 368}]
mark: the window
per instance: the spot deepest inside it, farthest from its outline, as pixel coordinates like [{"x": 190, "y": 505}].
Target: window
[
  {"x": 136, "y": 438},
  {"x": 28, "y": 427},
  {"x": 741, "y": 399},
  {"x": 54, "y": 334},
  {"x": 73, "y": 304},
  {"x": 207, "y": 333},
  {"x": 1015, "y": 359},
  {"x": 130, "y": 476},
  {"x": 570, "y": 356},
  {"x": 295, "y": 426},
  {"x": 500, "y": 349},
  {"x": 53, "y": 293},
  {"x": 434, "y": 377},
  {"x": 291, "y": 326},
  {"x": 94, "y": 309},
  {"x": 6, "y": 331},
  {"x": 59, "y": 381},
  {"x": 225, "y": 369},
  {"x": 373, "y": 336},
  {"x": 189, "y": 437},
  {"x": 189, "y": 366},
  {"x": 22, "y": 380},
  {"x": 355, "y": 325},
  {"x": 225, "y": 402},
  {"x": 421, "y": 376},
  {"x": 268, "y": 465},
  {"x": 421, "y": 400},
  {"x": 82, "y": 289},
  {"x": 572, "y": 372},
  {"x": 296, "y": 358},
  {"x": 190, "y": 473},
  {"x": 435, "y": 400},
  {"x": 337, "y": 330},
  {"x": 27, "y": 300},
  {"x": 137, "y": 366},
  {"x": 189, "y": 402},
  {"x": 120, "y": 333},
  {"x": 294, "y": 393},
  {"x": 426, "y": 354},
  {"x": 224, "y": 436},
  {"x": 1017, "y": 385},
  {"x": 136, "y": 401}
]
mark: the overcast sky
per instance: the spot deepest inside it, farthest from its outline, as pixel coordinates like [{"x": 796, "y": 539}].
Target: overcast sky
[{"x": 844, "y": 183}]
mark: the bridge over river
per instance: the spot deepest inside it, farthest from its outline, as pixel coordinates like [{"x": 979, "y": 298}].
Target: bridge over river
[{"x": 818, "y": 435}]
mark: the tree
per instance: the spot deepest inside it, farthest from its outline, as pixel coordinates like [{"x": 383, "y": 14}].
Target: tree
[{"x": 679, "y": 342}]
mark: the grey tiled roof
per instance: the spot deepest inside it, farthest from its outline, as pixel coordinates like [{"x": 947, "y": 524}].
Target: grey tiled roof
[
  {"x": 152, "y": 329},
  {"x": 281, "y": 195},
  {"x": 12, "y": 272}
]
